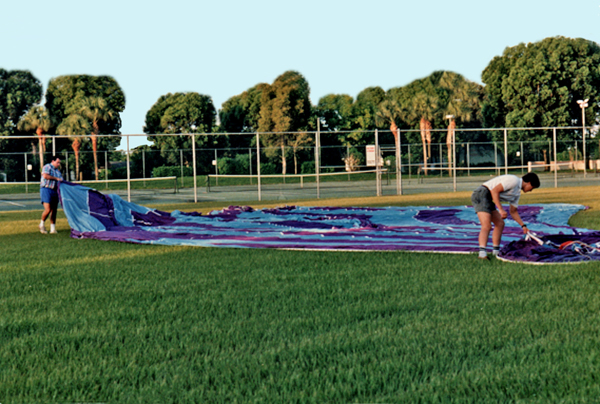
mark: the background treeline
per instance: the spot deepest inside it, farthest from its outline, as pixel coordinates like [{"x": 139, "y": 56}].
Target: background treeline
[{"x": 529, "y": 85}]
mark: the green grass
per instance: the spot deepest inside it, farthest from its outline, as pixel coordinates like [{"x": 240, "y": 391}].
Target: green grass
[{"x": 91, "y": 321}]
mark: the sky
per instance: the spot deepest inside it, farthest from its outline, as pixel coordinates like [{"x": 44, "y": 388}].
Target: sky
[{"x": 222, "y": 48}]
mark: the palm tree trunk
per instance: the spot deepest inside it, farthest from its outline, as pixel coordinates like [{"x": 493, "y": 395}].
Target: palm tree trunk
[
  {"x": 283, "y": 160},
  {"x": 422, "y": 126},
  {"x": 95, "y": 149},
  {"x": 42, "y": 142},
  {"x": 449, "y": 137},
  {"x": 76, "y": 145},
  {"x": 428, "y": 137}
]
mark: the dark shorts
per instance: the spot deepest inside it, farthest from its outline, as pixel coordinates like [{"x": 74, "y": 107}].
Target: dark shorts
[
  {"x": 49, "y": 196},
  {"x": 482, "y": 200}
]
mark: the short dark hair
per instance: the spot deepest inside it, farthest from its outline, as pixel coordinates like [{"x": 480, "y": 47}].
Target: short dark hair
[
  {"x": 54, "y": 158},
  {"x": 533, "y": 179}
]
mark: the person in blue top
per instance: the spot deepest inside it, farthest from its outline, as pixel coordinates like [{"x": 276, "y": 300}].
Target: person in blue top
[
  {"x": 487, "y": 200},
  {"x": 51, "y": 175}
]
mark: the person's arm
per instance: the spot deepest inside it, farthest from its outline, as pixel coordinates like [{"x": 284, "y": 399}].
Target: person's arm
[
  {"x": 514, "y": 212},
  {"x": 51, "y": 177},
  {"x": 496, "y": 198}
]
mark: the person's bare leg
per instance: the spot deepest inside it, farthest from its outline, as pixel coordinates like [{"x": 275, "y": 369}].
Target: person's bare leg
[
  {"x": 47, "y": 211},
  {"x": 486, "y": 226},
  {"x": 498, "y": 228},
  {"x": 484, "y": 234}
]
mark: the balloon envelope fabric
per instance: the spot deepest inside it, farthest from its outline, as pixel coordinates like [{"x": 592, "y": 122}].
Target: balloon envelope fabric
[{"x": 95, "y": 215}]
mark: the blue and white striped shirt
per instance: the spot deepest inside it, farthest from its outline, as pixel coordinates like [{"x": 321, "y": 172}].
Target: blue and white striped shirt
[{"x": 50, "y": 170}]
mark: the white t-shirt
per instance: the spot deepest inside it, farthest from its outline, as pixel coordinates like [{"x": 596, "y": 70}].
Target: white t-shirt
[{"x": 512, "y": 188}]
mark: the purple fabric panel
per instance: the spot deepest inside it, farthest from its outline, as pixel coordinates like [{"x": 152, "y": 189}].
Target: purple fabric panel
[
  {"x": 531, "y": 251},
  {"x": 446, "y": 217},
  {"x": 102, "y": 208},
  {"x": 152, "y": 218}
]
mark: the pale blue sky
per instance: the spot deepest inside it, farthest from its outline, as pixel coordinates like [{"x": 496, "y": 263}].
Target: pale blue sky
[{"x": 222, "y": 48}]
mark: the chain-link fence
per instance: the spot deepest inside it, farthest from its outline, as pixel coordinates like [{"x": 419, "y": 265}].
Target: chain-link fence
[{"x": 289, "y": 166}]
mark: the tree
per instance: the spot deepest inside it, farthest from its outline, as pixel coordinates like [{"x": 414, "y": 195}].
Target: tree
[
  {"x": 19, "y": 91},
  {"x": 424, "y": 107},
  {"x": 462, "y": 103},
  {"x": 335, "y": 112},
  {"x": 179, "y": 113},
  {"x": 390, "y": 112},
  {"x": 285, "y": 108},
  {"x": 241, "y": 113},
  {"x": 96, "y": 110},
  {"x": 538, "y": 84},
  {"x": 364, "y": 111},
  {"x": 74, "y": 127},
  {"x": 67, "y": 95},
  {"x": 37, "y": 119}
]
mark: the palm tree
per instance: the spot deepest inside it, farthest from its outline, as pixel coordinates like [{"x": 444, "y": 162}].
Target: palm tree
[
  {"x": 424, "y": 107},
  {"x": 388, "y": 112},
  {"x": 463, "y": 102},
  {"x": 74, "y": 127},
  {"x": 38, "y": 119},
  {"x": 96, "y": 109}
]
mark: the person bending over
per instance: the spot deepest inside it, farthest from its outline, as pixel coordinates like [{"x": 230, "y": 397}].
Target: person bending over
[{"x": 487, "y": 200}]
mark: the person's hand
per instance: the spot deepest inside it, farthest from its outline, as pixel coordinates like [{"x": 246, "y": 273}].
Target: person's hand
[
  {"x": 503, "y": 213},
  {"x": 525, "y": 230}
]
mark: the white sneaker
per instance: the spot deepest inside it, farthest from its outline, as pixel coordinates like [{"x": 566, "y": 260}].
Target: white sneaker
[
  {"x": 43, "y": 229},
  {"x": 53, "y": 232}
]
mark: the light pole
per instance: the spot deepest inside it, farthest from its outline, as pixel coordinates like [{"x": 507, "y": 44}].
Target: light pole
[{"x": 583, "y": 105}]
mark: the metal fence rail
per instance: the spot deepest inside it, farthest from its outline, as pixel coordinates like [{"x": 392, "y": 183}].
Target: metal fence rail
[{"x": 563, "y": 156}]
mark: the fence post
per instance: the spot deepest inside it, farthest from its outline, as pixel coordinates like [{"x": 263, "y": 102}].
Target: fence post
[
  {"x": 505, "y": 151},
  {"x": 128, "y": 174},
  {"x": 317, "y": 157},
  {"x": 377, "y": 161},
  {"x": 258, "y": 165},
  {"x": 555, "y": 159},
  {"x": 398, "y": 164},
  {"x": 194, "y": 167}
]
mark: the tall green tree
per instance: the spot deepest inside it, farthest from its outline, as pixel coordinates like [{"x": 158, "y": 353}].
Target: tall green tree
[
  {"x": 335, "y": 112},
  {"x": 19, "y": 91},
  {"x": 241, "y": 113},
  {"x": 285, "y": 109},
  {"x": 97, "y": 111},
  {"x": 67, "y": 95},
  {"x": 179, "y": 113},
  {"x": 538, "y": 84},
  {"x": 75, "y": 128},
  {"x": 37, "y": 119},
  {"x": 364, "y": 111},
  {"x": 461, "y": 102}
]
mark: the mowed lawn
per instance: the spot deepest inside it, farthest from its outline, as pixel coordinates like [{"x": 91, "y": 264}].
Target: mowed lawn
[{"x": 92, "y": 321}]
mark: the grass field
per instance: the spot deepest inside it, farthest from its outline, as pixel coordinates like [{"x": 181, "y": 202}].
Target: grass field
[{"x": 92, "y": 321}]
